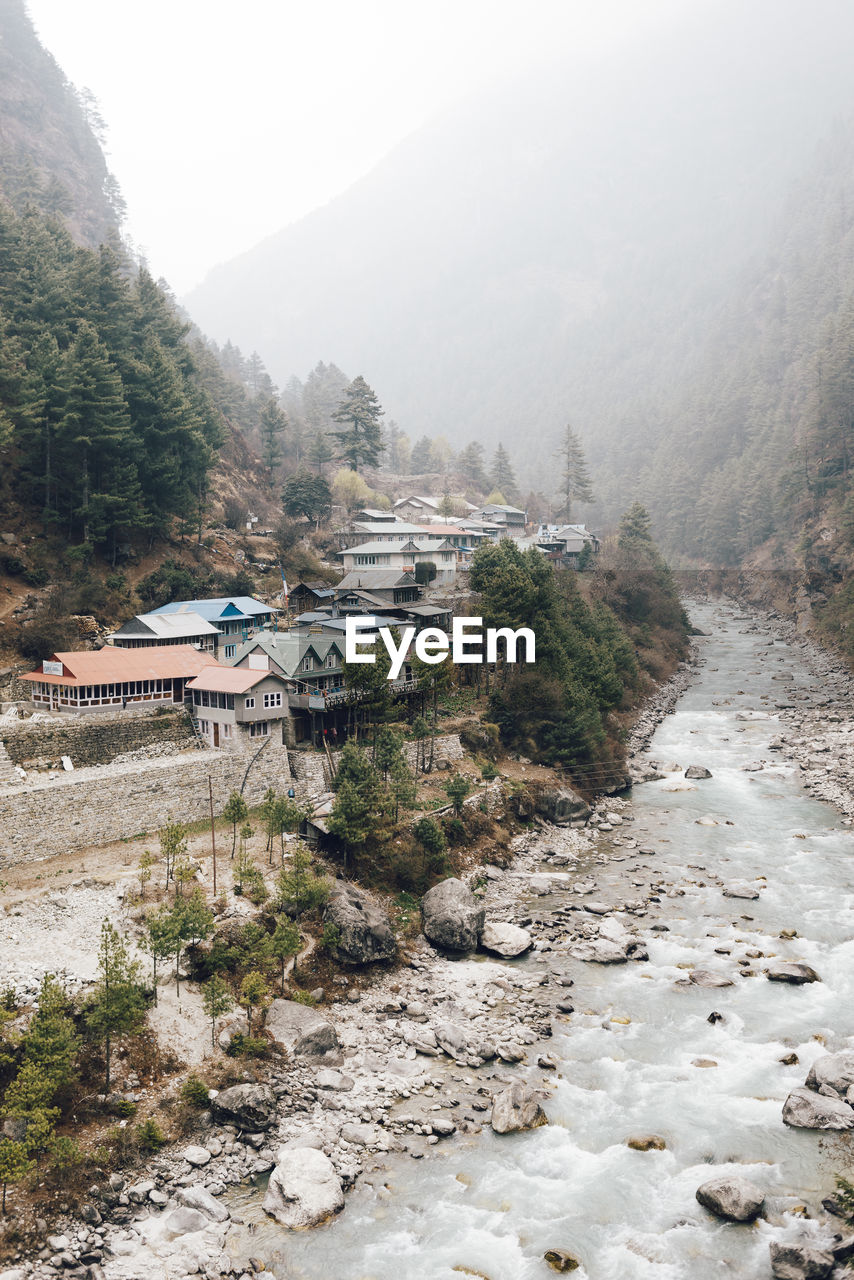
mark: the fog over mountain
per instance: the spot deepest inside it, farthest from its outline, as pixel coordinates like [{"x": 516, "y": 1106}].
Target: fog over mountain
[{"x": 556, "y": 248}]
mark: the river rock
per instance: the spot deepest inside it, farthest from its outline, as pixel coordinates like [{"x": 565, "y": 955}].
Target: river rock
[
  {"x": 463, "y": 1042},
  {"x": 804, "y": 1109},
  {"x": 741, "y": 889},
  {"x": 182, "y": 1222},
  {"x": 506, "y": 940},
  {"x": 452, "y": 917},
  {"x": 600, "y": 951},
  {"x": 198, "y": 1197},
  {"x": 791, "y": 971},
  {"x": 249, "y": 1106},
  {"x": 561, "y": 1261},
  {"x": 335, "y": 1080},
  {"x": 706, "y": 978},
  {"x": 731, "y": 1197},
  {"x": 832, "y": 1074},
  {"x": 365, "y": 932},
  {"x": 196, "y": 1156},
  {"x": 516, "y": 1109},
  {"x": 560, "y": 805},
  {"x": 300, "y": 1030},
  {"x": 697, "y": 771},
  {"x": 647, "y": 1142},
  {"x": 304, "y": 1189},
  {"x": 800, "y": 1262}
]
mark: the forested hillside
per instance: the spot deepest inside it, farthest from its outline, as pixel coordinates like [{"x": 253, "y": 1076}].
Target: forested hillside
[
  {"x": 50, "y": 157},
  {"x": 109, "y": 427},
  {"x": 557, "y": 250},
  {"x": 755, "y": 440}
]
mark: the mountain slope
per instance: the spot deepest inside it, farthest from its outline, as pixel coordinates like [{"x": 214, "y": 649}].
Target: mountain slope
[
  {"x": 559, "y": 246},
  {"x": 50, "y": 157}
]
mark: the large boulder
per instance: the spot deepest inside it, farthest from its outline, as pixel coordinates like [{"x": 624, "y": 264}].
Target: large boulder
[
  {"x": 560, "y": 805},
  {"x": 183, "y": 1222},
  {"x": 451, "y": 916},
  {"x": 364, "y": 929},
  {"x": 741, "y": 889},
  {"x": 515, "y": 1109},
  {"x": 804, "y": 1109},
  {"x": 731, "y": 1197},
  {"x": 791, "y": 971},
  {"x": 233, "y": 1024},
  {"x": 506, "y": 940},
  {"x": 304, "y": 1189},
  {"x": 300, "y": 1031},
  {"x": 198, "y": 1197},
  {"x": 601, "y": 951},
  {"x": 832, "y": 1074},
  {"x": 800, "y": 1262},
  {"x": 697, "y": 771},
  {"x": 249, "y": 1106}
]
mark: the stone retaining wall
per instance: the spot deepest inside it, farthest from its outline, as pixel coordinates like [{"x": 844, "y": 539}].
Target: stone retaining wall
[
  {"x": 46, "y": 817},
  {"x": 93, "y": 740}
]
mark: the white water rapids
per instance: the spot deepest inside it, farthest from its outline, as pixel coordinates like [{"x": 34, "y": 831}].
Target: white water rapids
[{"x": 491, "y": 1206}]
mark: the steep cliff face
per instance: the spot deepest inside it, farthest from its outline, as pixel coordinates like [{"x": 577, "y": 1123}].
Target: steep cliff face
[{"x": 50, "y": 156}]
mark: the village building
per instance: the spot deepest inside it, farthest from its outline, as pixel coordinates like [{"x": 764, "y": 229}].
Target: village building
[
  {"x": 114, "y": 678},
  {"x": 413, "y": 507},
  {"x": 166, "y": 629},
  {"x": 390, "y": 585},
  {"x": 235, "y": 617},
  {"x": 403, "y": 557},
  {"x": 562, "y": 544},
  {"x": 510, "y": 520},
  {"x": 235, "y": 706}
]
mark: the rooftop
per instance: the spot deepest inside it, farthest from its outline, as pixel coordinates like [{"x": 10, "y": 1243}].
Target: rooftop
[
  {"x": 165, "y": 626},
  {"x": 112, "y": 665},
  {"x": 229, "y": 679},
  {"x": 221, "y": 607}
]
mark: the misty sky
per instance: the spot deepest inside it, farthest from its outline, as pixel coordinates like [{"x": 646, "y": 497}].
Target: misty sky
[{"x": 228, "y": 121}]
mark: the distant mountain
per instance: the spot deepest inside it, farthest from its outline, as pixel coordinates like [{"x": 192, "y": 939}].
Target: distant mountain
[
  {"x": 558, "y": 248},
  {"x": 50, "y": 156}
]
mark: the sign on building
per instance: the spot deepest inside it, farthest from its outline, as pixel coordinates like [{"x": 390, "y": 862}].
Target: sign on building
[
  {"x": 316, "y": 702},
  {"x": 51, "y": 668},
  {"x": 259, "y": 662}
]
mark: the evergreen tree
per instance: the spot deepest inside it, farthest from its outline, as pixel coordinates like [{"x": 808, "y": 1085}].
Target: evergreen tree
[
  {"x": 118, "y": 1004},
  {"x": 422, "y": 456},
  {"x": 502, "y": 475},
  {"x": 235, "y": 811},
  {"x": 471, "y": 462},
  {"x": 360, "y": 441},
  {"x": 216, "y": 1001},
  {"x": 272, "y": 425},
  {"x": 576, "y": 480},
  {"x": 307, "y": 495}
]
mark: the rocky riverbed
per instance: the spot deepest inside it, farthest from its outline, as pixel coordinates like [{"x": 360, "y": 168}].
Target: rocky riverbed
[{"x": 635, "y": 1003}]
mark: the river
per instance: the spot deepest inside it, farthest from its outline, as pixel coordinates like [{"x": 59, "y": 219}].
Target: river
[{"x": 491, "y": 1206}]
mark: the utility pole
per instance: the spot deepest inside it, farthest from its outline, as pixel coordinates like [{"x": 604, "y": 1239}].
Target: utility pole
[{"x": 213, "y": 833}]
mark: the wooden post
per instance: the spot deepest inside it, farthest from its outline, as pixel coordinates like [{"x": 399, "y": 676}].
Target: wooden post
[{"x": 213, "y": 833}]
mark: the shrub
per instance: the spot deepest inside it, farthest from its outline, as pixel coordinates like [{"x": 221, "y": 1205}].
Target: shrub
[
  {"x": 195, "y": 1092},
  {"x": 149, "y": 1136},
  {"x": 330, "y": 937},
  {"x": 123, "y": 1107},
  {"x": 247, "y": 1047},
  {"x": 455, "y": 830},
  {"x": 488, "y": 771},
  {"x": 304, "y": 997}
]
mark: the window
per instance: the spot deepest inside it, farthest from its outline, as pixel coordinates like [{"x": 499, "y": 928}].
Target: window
[
  {"x": 226, "y": 730},
  {"x": 230, "y": 650},
  {"x": 260, "y": 729},
  {"x": 307, "y": 663},
  {"x": 206, "y": 698},
  {"x": 272, "y": 700},
  {"x": 248, "y": 704},
  {"x": 229, "y": 702},
  {"x": 332, "y": 659}
]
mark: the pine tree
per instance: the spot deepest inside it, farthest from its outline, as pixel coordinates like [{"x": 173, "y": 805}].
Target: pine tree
[
  {"x": 360, "y": 442},
  {"x": 502, "y": 475},
  {"x": 471, "y": 462},
  {"x": 236, "y": 810},
  {"x": 576, "y": 481},
  {"x": 216, "y": 1001},
  {"x": 272, "y": 425},
  {"x": 118, "y": 1005}
]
